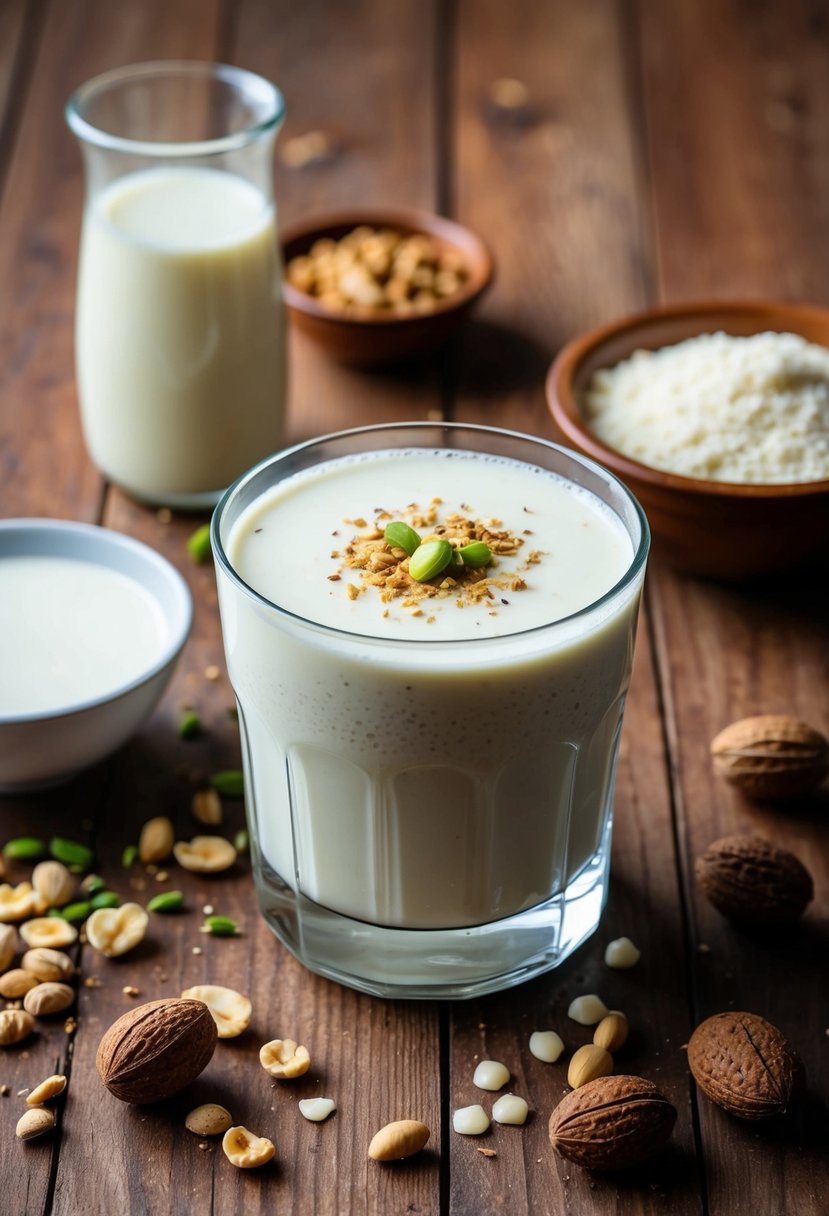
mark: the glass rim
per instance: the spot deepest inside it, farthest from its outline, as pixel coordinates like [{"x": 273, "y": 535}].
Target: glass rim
[
  {"x": 241, "y": 78},
  {"x": 629, "y": 576}
]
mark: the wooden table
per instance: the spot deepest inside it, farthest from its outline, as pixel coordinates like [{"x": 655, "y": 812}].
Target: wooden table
[{"x": 670, "y": 150}]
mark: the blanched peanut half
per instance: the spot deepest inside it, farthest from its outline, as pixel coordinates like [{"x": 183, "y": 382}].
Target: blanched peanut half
[
  {"x": 8, "y": 945},
  {"x": 34, "y": 1123},
  {"x": 46, "y": 964},
  {"x": 491, "y": 1075},
  {"x": 245, "y": 1150},
  {"x": 16, "y": 903},
  {"x": 49, "y": 931},
  {"x": 510, "y": 1109},
  {"x": 587, "y": 1010},
  {"x": 470, "y": 1121},
  {"x": 156, "y": 839},
  {"x": 114, "y": 931},
  {"x": 48, "y": 1089},
  {"x": 207, "y": 807},
  {"x": 16, "y": 983},
  {"x": 546, "y": 1045},
  {"x": 53, "y": 883},
  {"x": 229, "y": 1009},
  {"x": 403, "y": 1138},
  {"x": 205, "y": 854},
  {"x": 284, "y": 1059},
  {"x": 209, "y": 1120},
  {"x": 316, "y": 1109}
]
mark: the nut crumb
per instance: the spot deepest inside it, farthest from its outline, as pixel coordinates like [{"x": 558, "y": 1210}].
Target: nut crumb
[
  {"x": 5, "y": 1090},
  {"x": 70, "y": 1025},
  {"x": 487, "y": 1152},
  {"x": 92, "y": 981},
  {"x": 212, "y": 673},
  {"x": 162, "y": 876},
  {"x": 197, "y": 950},
  {"x": 164, "y": 515},
  {"x": 130, "y": 990}
]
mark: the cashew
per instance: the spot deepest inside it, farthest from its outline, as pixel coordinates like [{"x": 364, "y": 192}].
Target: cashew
[
  {"x": 282, "y": 1058},
  {"x": 205, "y": 854},
  {"x": 209, "y": 1120},
  {"x": 156, "y": 839},
  {"x": 245, "y": 1150},
  {"x": 48, "y": 931},
  {"x": 114, "y": 931},
  {"x": 48, "y": 1089},
  {"x": 53, "y": 883},
  {"x": 16, "y": 903},
  {"x": 229, "y": 1009}
]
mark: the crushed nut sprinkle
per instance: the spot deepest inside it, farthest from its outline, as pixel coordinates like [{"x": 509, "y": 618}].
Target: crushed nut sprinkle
[{"x": 386, "y": 567}]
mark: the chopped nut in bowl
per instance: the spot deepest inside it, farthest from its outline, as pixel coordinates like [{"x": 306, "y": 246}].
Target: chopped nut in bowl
[{"x": 373, "y": 287}]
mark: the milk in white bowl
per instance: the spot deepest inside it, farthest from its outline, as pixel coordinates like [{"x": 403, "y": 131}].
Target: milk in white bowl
[
  {"x": 179, "y": 331},
  {"x": 430, "y": 773}
]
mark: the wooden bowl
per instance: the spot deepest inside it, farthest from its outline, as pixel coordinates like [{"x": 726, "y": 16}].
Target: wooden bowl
[
  {"x": 725, "y": 530},
  {"x": 366, "y": 340}
]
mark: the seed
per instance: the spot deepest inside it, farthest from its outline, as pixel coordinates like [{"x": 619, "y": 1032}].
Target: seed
[
  {"x": 621, "y": 954},
  {"x": 189, "y": 726},
  {"x": 35, "y": 1122},
  {"x": 166, "y": 901},
  {"x": 71, "y": 853},
  {"x": 198, "y": 544},
  {"x": 429, "y": 560},
  {"x": 491, "y": 1075},
  {"x": 587, "y": 1010},
  {"x": 156, "y": 839},
  {"x": 470, "y": 1121},
  {"x": 612, "y": 1031},
  {"x": 401, "y": 536},
  {"x": 510, "y": 1109},
  {"x": 316, "y": 1109},
  {"x": 25, "y": 848},
  {"x": 475, "y": 555},
  {"x": 207, "y": 807},
  {"x": 220, "y": 926},
  {"x": 546, "y": 1045},
  {"x": 587, "y": 1064},
  {"x": 74, "y": 913},
  {"x": 48, "y": 1089},
  {"x": 229, "y": 782},
  {"x": 105, "y": 899},
  {"x": 129, "y": 856}
]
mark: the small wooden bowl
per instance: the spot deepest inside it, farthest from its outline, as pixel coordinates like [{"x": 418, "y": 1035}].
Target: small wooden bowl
[
  {"x": 365, "y": 341},
  {"x": 720, "y": 529}
]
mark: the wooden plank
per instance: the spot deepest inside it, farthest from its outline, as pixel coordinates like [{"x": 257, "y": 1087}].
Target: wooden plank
[
  {"x": 567, "y": 222},
  {"x": 757, "y": 223}
]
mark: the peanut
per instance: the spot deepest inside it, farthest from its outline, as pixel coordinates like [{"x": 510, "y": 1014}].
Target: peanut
[
  {"x": 16, "y": 903},
  {"x": 35, "y": 1122},
  {"x": 283, "y": 1059},
  {"x": 48, "y": 1089},
  {"x": 49, "y": 931},
  {"x": 15, "y": 1026},
  {"x": 229, "y": 1009},
  {"x": 403, "y": 1138},
  {"x": 8, "y": 945},
  {"x": 245, "y": 1150},
  {"x": 612, "y": 1031},
  {"x": 53, "y": 883},
  {"x": 156, "y": 840},
  {"x": 46, "y": 999},
  {"x": 114, "y": 931},
  {"x": 205, "y": 854},
  {"x": 46, "y": 964},
  {"x": 16, "y": 983},
  {"x": 588, "y": 1063}
]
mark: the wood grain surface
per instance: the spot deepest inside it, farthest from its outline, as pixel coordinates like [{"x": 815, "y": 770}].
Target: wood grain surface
[{"x": 665, "y": 151}]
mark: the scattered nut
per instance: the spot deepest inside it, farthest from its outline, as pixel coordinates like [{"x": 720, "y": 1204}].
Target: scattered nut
[
  {"x": 245, "y": 1150},
  {"x": 53, "y": 883},
  {"x": 15, "y": 1026},
  {"x": 622, "y": 954},
  {"x": 229, "y": 1009},
  {"x": 16, "y": 903},
  {"x": 587, "y": 1010},
  {"x": 510, "y": 1109},
  {"x": 8, "y": 945},
  {"x": 46, "y": 964},
  {"x": 205, "y": 854},
  {"x": 156, "y": 1049},
  {"x": 316, "y": 1109},
  {"x": 207, "y": 807},
  {"x": 209, "y": 1120},
  {"x": 45, "y": 999},
  {"x": 35, "y": 1122},
  {"x": 490, "y": 1075},
  {"x": 284, "y": 1059},
  {"x": 16, "y": 983},
  {"x": 752, "y": 882},
  {"x": 470, "y": 1120},
  {"x": 588, "y": 1063},
  {"x": 156, "y": 840},
  {"x": 612, "y": 1031},
  {"x": 546, "y": 1045},
  {"x": 403, "y": 1138},
  {"x": 48, "y": 1089},
  {"x": 744, "y": 1064},
  {"x": 612, "y": 1123},
  {"x": 114, "y": 931},
  {"x": 49, "y": 931},
  {"x": 771, "y": 756}
]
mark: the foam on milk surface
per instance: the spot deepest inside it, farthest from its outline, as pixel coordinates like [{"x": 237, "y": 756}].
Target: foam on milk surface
[{"x": 282, "y": 545}]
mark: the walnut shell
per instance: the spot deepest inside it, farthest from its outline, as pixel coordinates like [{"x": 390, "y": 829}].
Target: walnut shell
[
  {"x": 752, "y": 882},
  {"x": 153, "y": 1051},
  {"x": 771, "y": 756},
  {"x": 612, "y": 1123},
  {"x": 744, "y": 1064}
]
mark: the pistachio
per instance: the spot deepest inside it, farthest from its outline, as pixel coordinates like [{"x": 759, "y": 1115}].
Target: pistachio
[
  {"x": 166, "y": 901},
  {"x": 400, "y": 536},
  {"x": 198, "y": 544},
  {"x": 189, "y": 726},
  {"x": 156, "y": 839},
  {"x": 53, "y": 883},
  {"x": 129, "y": 856},
  {"x": 220, "y": 926},
  {"x": 475, "y": 555},
  {"x": 284, "y": 1059},
  {"x": 104, "y": 899},
  {"x": 245, "y": 1150},
  {"x": 114, "y": 931},
  {"x": 205, "y": 854},
  {"x": 229, "y": 782},
  {"x": 75, "y": 913},
  {"x": 429, "y": 560},
  {"x": 24, "y": 848},
  {"x": 229, "y": 1009},
  {"x": 71, "y": 853},
  {"x": 49, "y": 931}
]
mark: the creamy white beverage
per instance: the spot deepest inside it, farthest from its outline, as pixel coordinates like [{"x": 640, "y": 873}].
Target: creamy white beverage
[
  {"x": 180, "y": 344},
  {"x": 71, "y": 631},
  {"x": 431, "y": 757}
]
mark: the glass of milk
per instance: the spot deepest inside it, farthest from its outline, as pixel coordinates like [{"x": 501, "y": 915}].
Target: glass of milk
[
  {"x": 429, "y": 772},
  {"x": 180, "y": 345}
]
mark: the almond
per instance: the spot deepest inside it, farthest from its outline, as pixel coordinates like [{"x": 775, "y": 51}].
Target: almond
[
  {"x": 744, "y": 1064},
  {"x": 156, "y": 1049},
  {"x": 771, "y": 756},
  {"x": 612, "y": 1123},
  {"x": 752, "y": 882}
]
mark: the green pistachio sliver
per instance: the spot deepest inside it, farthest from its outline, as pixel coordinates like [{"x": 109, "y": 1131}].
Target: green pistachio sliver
[
  {"x": 166, "y": 901},
  {"x": 92, "y": 884},
  {"x": 429, "y": 560},
  {"x": 229, "y": 782},
  {"x": 129, "y": 856},
  {"x": 401, "y": 536},
  {"x": 220, "y": 926},
  {"x": 71, "y": 853},
  {"x": 198, "y": 545},
  {"x": 24, "y": 848},
  {"x": 190, "y": 725},
  {"x": 105, "y": 899},
  {"x": 241, "y": 841},
  {"x": 77, "y": 912},
  {"x": 475, "y": 554}
]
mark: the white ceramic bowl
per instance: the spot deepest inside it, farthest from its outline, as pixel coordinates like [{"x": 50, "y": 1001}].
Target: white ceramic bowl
[{"x": 40, "y": 749}]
